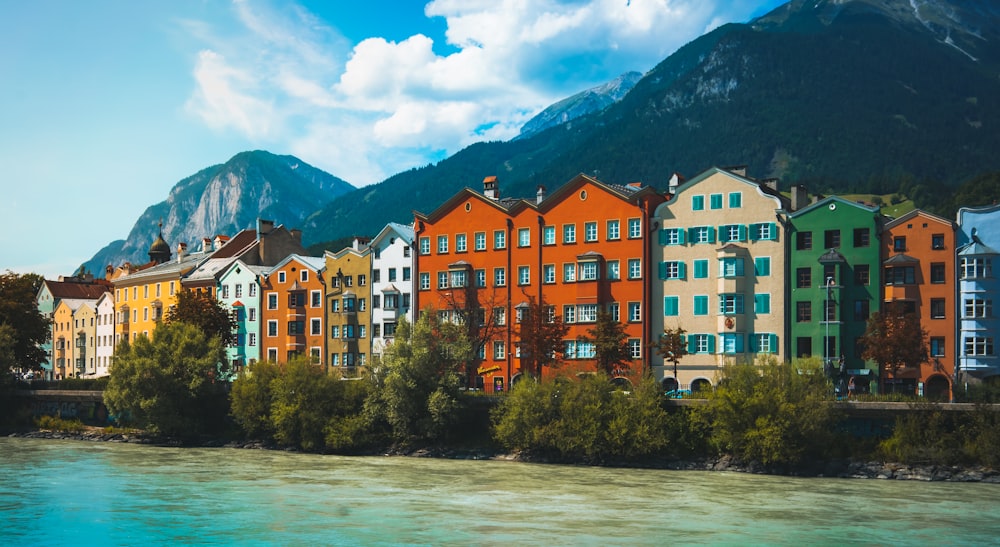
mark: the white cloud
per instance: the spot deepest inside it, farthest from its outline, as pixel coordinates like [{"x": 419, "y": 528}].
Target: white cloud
[{"x": 286, "y": 81}]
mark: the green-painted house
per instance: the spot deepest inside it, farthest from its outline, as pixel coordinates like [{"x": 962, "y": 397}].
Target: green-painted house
[{"x": 833, "y": 284}]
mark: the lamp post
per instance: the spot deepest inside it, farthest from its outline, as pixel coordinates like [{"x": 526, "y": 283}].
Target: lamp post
[{"x": 826, "y": 319}]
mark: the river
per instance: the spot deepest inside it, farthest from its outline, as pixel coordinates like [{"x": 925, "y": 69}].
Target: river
[{"x": 91, "y": 493}]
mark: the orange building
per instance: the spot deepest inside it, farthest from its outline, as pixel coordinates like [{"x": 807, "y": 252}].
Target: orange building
[
  {"x": 585, "y": 247},
  {"x": 293, "y": 311},
  {"x": 918, "y": 260}
]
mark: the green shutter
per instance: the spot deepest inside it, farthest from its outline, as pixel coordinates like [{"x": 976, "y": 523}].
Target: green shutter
[
  {"x": 772, "y": 231},
  {"x": 711, "y": 234},
  {"x": 680, "y": 236},
  {"x": 723, "y": 234},
  {"x": 662, "y": 267},
  {"x": 742, "y": 232},
  {"x": 701, "y": 305},
  {"x": 692, "y": 342},
  {"x": 762, "y": 303},
  {"x": 774, "y": 343},
  {"x": 700, "y": 269},
  {"x": 762, "y": 266},
  {"x": 739, "y": 343},
  {"x": 670, "y": 304},
  {"x": 711, "y": 343},
  {"x": 681, "y": 270},
  {"x": 739, "y": 267},
  {"x": 663, "y": 236},
  {"x": 754, "y": 232}
]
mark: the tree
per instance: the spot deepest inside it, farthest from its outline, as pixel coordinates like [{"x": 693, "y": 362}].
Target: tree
[
  {"x": 416, "y": 393},
  {"x": 894, "y": 339},
  {"x": 672, "y": 346},
  {"x": 206, "y": 313},
  {"x": 540, "y": 335},
  {"x": 168, "y": 385},
  {"x": 251, "y": 399},
  {"x": 610, "y": 343},
  {"x": 22, "y": 327}
]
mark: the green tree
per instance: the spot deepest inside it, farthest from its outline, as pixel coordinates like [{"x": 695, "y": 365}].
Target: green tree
[
  {"x": 252, "y": 397},
  {"x": 417, "y": 387},
  {"x": 771, "y": 412},
  {"x": 168, "y": 385},
  {"x": 304, "y": 400},
  {"x": 672, "y": 346},
  {"x": 22, "y": 327},
  {"x": 894, "y": 339},
  {"x": 610, "y": 344},
  {"x": 206, "y": 313},
  {"x": 540, "y": 335}
]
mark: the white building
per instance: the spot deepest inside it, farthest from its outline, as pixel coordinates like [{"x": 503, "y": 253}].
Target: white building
[{"x": 392, "y": 282}]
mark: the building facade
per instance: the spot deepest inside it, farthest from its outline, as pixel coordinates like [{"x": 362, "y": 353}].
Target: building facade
[
  {"x": 349, "y": 297},
  {"x": 720, "y": 263},
  {"x": 238, "y": 290},
  {"x": 391, "y": 283},
  {"x": 978, "y": 243},
  {"x": 292, "y": 313},
  {"x": 105, "y": 332}
]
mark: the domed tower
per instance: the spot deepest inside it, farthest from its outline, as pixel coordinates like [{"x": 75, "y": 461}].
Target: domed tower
[{"x": 159, "y": 251}]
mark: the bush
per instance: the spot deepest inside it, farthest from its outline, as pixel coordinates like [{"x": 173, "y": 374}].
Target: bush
[{"x": 52, "y": 423}]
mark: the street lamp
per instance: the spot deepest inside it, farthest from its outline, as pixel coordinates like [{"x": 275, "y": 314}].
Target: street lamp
[{"x": 826, "y": 319}]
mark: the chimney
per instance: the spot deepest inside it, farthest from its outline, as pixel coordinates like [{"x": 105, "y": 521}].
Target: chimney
[
  {"x": 800, "y": 197},
  {"x": 218, "y": 242},
  {"x": 540, "y": 194},
  {"x": 675, "y": 180},
  {"x": 206, "y": 244},
  {"x": 771, "y": 183},
  {"x": 490, "y": 188},
  {"x": 264, "y": 227},
  {"x": 740, "y": 170},
  {"x": 182, "y": 249},
  {"x": 108, "y": 272},
  {"x": 296, "y": 235}
]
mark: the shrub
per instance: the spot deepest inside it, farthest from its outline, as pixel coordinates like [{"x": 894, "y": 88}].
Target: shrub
[{"x": 52, "y": 423}]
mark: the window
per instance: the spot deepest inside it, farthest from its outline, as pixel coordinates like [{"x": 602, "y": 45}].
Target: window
[
  {"x": 590, "y": 231},
  {"x": 803, "y": 312},
  {"x": 588, "y": 271},
  {"x": 672, "y": 269},
  {"x": 972, "y": 268},
  {"x": 671, "y": 305},
  {"x": 500, "y": 316},
  {"x": 348, "y": 332},
  {"x": 391, "y": 301},
  {"x": 480, "y": 278},
  {"x": 461, "y": 243},
  {"x": 701, "y": 343},
  {"x": 803, "y": 241},
  {"x": 614, "y": 230},
  {"x": 672, "y": 236},
  {"x": 730, "y": 267},
  {"x": 499, "y": 350},
  {"x": 701, "y": 304},
  {"x": 862, "y": 274},
  {"x": 634, "y": 268},
  {"x": 762, "y": 266},
  {"x": 830, "y": 311},
  {"x": 442, "y": 280},
  {"x": 764, "y": 231},
  {"x": 900, "y": 275},
  {"x": 937, "y": 272},
  {"x": 304, "y": 276},
  {"x": 524, "y": 237},
  {"x": 702, "y": 234},
  {"x": 634, "y": 228},
  {"x": 715, "y": 201},
  {"x": 697, "y": 203},
  {"x": 296, "y": 327},
  {"x": 861, "y": 310},
  {"x": 523, "y": 275},
  {"x": 225, "y": 291},
  {"x": 569, "y": 313},
  {"x": 732, "y": 343},
  {"x": 458, "y": 278},
  {"x": 615, "y": 312},
  {"x": 614, "y": 270},
  {"x": 349, "y": 303},
  {"x": 579, "y": 349},
  {"x": 937, "y": 347},
  {"x": 899, "y": 244},
  {"x": 634, "y": 312},
  {"x": 479, "y": 240},
  {"x": 349, "y": 281},
  {"x": 569, "y": 233},
  {"x": 272, "y": 301},
  {"x": 316, "y": 299},
  {"x": 548, "y": 273},
  {"x": 548, "y": 235},
  {"x": 732, "y": 232},
  {"x": 700, "y": 269},
  {"x": 635, "y": 348},
  {"x": 296, "y": 299},
  {"x": 937, "y": 308},
  {"x": 442, "y": 244},
  {"x": 735, "y": 200},
  {"x": 315, "y": 327},
  {"x": 425, "y": 245},
  {"x": 764, "y": 342},
  {"x": 252, "y": 290},
  {"x": 730, "y": 304},
  {"x": 499, "y": 239},
  {"x": 762, "y": 303},
  {"x": 406, "y": 273},
  {"x": 862, "y": 237},
  {"x": 425, "y": 281},
  {"x": 281, "y": 277},
  {"x": 335, "y": 305},
  {"x": 937, "y": 241},
  {"x": 975, "y": 345},
  {"x": 251, "y": 314},
  {"x": 831, "y": 239},
  {"x": 975, "y": 307},
  {"x": 586, "y": 313},
  {"x": 569, "y": 273},
  {"x": 251, "y": 339},
  {"x": 499, "y": 277}
]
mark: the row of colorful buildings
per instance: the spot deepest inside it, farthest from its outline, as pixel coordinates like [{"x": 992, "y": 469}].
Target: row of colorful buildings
[{"x": 743, "y": 268}]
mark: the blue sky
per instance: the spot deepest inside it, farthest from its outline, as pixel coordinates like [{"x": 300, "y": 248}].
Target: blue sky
[{"x": 105, "y": 104}]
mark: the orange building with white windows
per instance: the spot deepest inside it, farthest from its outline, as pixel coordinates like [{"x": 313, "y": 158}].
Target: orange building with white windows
[
  {"x": 293, "y": 313},
  {"x": 583, "y": 248},
  {"x": 918, "y": 261}
]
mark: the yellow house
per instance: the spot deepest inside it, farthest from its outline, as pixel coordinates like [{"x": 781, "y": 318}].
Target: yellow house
[
  {"x": 74, "y": 333},
  {"x": 85, "y": 340},
  {"x": 349, "y": 303}
]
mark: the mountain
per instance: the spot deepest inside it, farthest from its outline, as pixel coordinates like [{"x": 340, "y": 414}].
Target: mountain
[
  {"x": 224, "y": 199},
  {"x": 586, "y": 102},
  {"x": 841, "y": 95}
]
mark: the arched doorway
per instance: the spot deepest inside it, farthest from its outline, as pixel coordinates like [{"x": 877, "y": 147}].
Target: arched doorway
[
  {"x": 669, "y": 384},
  {"x": 936, "y": 388},
  {"x": 620, "y": 383},
  {"x": 700, "y": 384}
]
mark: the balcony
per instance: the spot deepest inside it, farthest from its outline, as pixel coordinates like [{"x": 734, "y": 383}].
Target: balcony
[{"x": 902, "y": 292}]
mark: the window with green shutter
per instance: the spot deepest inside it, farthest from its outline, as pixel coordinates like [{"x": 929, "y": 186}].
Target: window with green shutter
[
  {"x": 670, "y": 305},
  {"x": 701, "y": 304},
  {"x": 700, "y": 269},
  {"x": 762, "y": 266},
  {"x": 762, "y": 303}
]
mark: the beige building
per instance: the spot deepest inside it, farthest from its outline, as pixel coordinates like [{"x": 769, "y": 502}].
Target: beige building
[
  {"x": 349, "y": 301},
  {"x": 719, "y": 274}
]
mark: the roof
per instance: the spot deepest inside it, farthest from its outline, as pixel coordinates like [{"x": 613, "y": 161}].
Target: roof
[
  {"x": 173, "y": 268},
  {"x": 783, "y": 201},
  {"x": 900, "y": 259},
  {"x": 315, "y": 263},
  {"x": 913, "y": 214},
  {"x": 829, "y": 201},
  {"x": 73, "y": 303},
  {"x": 977, "y": 247},
  {"x": 66, "y": 289},
  {"x": 237, "y": 244},
  {"x": 401, "y": 231},
  {"x": 211, "y": 269}
]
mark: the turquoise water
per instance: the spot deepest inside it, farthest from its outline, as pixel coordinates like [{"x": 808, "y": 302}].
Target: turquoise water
[{"x": 81, "y": 493}]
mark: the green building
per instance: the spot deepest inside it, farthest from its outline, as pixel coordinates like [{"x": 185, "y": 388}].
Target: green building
[{"x": 833, "y": 285}]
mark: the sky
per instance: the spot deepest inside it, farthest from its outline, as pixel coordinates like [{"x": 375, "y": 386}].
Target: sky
[{"x": 106, "y": 104}]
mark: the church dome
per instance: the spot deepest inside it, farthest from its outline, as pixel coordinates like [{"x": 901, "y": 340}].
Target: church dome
[{"x": 159, "y": 251}]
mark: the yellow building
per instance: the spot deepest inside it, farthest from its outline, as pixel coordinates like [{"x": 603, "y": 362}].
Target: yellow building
[{"x": 348, "y": 309}]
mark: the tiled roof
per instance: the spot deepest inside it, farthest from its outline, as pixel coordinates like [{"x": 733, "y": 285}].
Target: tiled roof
[{"x": 64, "y": 289}]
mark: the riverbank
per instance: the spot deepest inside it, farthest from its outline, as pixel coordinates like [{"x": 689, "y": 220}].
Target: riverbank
[{"x": 843, "y": 469}]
